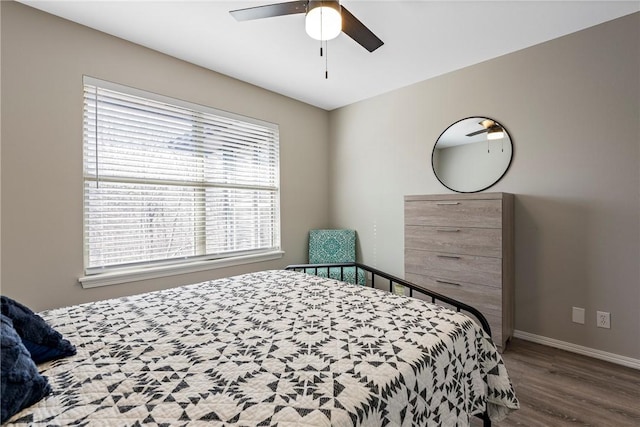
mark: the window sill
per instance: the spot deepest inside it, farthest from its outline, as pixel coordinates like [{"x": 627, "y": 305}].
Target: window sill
[{"x": 133, "y": 275}]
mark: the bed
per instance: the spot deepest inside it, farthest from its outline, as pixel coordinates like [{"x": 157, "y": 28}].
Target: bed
[{"x": 272, "y": 348}]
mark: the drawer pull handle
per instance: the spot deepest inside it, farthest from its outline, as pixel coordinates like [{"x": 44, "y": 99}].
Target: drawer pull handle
[
  {"x": 448, "y": 230},
  {"x": 447, "y": 203},
  {"x": 447, "y": 282},
  {"x": 449, "y": 256}
]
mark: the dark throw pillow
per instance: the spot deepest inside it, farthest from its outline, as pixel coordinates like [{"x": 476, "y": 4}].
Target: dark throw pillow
[
  {"x": 21, "y": 383},
  {"x": 42, "y": 341}
]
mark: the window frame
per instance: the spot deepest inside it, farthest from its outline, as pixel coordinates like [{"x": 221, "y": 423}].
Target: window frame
[{"x": 109, "y": 275}]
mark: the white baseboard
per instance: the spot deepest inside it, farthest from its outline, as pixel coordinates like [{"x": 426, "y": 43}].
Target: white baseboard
[{"x": 574, "y": 348}]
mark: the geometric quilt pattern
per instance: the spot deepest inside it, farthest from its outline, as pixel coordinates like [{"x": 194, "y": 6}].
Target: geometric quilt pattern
[{"x": 274, "y": 348}]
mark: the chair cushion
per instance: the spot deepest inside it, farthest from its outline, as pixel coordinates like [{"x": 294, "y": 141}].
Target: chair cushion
[{"x": 331, "y": 246}]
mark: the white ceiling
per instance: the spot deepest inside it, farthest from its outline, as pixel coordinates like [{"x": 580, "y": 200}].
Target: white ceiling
[{"x": 423, "y": 39}]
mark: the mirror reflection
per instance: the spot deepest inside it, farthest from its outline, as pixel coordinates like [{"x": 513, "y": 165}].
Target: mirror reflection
[{"x": 472, "y": 154}]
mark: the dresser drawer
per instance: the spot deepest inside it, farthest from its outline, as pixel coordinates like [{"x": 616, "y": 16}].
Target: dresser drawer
[
  {"x": 484, "y": 298},
  {"x": 454, "y": 213},
  {"x": 455, "y": 240},
  {"x": 455, "y": 268}
]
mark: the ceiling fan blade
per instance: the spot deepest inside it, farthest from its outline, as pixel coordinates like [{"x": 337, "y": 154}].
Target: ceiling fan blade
[
  {"x": 270, "y": 10},
  {"x": 355, "y": 29},
  {"x": 478, "y": 132}
]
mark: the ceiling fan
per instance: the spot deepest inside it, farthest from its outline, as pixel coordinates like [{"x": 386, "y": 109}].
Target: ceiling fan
[
  {"x": 493, "y": 129},
  {"x": 324, "y": 20}
]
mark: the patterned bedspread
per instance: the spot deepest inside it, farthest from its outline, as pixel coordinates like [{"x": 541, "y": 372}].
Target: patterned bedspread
[{"x": 275, "y": 348}]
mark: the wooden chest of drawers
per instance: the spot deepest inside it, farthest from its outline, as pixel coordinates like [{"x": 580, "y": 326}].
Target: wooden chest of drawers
[{"x": 461, "y": 245}]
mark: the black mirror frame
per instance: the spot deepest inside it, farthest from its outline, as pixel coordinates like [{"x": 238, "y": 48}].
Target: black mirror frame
[{"x": 494, "y": 182}]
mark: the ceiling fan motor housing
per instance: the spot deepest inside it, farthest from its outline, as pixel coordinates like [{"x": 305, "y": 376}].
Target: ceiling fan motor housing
[{"x": 312, "y": 4}]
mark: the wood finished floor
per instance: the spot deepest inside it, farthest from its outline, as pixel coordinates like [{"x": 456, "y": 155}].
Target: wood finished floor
[{"x": 559, "y": 388}]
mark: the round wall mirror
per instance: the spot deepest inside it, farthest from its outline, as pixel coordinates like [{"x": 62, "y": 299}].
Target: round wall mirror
[{"x": 472, "y": 154}]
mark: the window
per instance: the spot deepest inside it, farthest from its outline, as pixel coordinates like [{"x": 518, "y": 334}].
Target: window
[{"x": 170, "y": 183}]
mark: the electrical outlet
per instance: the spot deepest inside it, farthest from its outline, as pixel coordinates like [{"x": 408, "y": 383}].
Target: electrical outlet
[
  {"x": 603, "y": 319},
  {"x": 577, "y": 315}
]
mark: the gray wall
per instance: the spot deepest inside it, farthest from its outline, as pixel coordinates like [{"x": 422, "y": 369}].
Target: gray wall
[
  {"x": 43, "y": 60},
  {"x": 572, "y": 109}
]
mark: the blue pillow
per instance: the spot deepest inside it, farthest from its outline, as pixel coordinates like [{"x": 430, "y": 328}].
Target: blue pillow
[
  {"x": 42, "y": 341},
  {"x": 21, "y": 383}
]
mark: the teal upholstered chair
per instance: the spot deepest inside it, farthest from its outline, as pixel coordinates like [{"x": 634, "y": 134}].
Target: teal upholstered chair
[{"x": 334, "y": 246}]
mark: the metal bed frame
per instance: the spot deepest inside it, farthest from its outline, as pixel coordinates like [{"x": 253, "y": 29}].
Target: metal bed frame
[{"x": 459, "y": 306}]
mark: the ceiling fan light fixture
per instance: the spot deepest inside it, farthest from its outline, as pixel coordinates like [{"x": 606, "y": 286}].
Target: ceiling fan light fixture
[
  {"x": 495, "y": 132},
  {"x": 323, "y": 20}
]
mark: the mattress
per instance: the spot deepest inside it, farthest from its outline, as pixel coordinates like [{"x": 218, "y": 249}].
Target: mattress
[{"x": 273, "y": 348}]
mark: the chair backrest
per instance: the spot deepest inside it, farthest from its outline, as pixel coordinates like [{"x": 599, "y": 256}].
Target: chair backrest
[{"x": 330, "y": 246}]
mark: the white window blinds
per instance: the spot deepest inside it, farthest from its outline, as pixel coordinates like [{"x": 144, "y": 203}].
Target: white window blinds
[{"x": 167, "y": 181}]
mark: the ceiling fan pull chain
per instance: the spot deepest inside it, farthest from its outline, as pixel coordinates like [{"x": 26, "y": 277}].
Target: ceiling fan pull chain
[
  {"x": 321, "y": 31},
  {"x": 326, "y": 60}
]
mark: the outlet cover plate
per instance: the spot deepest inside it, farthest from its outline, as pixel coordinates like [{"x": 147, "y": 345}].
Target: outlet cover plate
[{"x": 603, "y": 319}]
